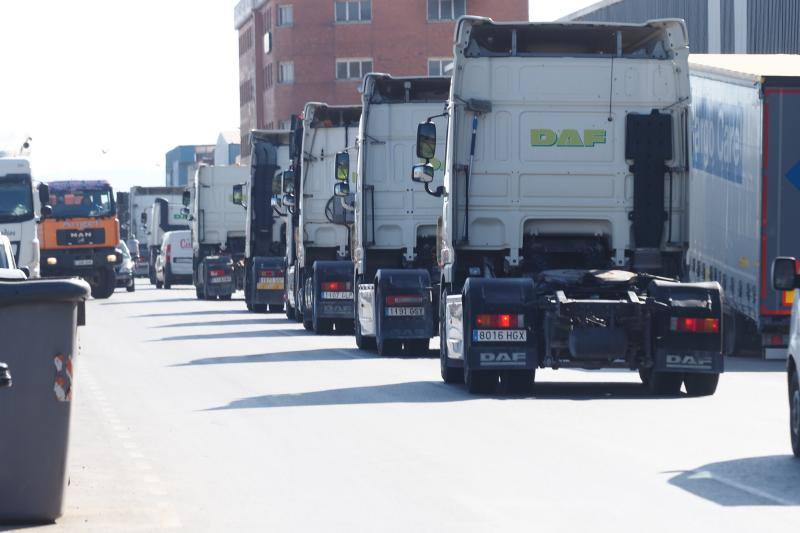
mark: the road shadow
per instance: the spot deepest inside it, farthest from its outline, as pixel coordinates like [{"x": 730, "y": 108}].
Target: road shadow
[
  {"x": 237, "y": 335},
  {"x": 753, "y": 481},
  {"x": 746, "y": 364},
  {"x": 196, "y": 313},
  {"x": 242, "y": 322},
  {"x": 158, "y": 301},
  {"x": 438, "y": 392},
  {"x": 339, "y": 354}
]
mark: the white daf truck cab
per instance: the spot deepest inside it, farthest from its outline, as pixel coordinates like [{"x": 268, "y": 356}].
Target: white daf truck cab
[
  {"x": 564, "y": 223},
  {"x": 20, "y": 207},
  {"x": 319, "y": 284},
  {"x": 396, "y": 276}
]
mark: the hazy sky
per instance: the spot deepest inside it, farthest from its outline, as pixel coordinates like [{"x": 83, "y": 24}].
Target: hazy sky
[{"x": 106, "y": 87}]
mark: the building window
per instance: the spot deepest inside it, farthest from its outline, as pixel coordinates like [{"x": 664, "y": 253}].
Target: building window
[
  {"x": 267, "y": 20},
  {"x": 446, "y": 9},
  {"x": 246, "y": 40},
  {"x": 268, "y": 80},
  {"x": 286, "y": 72},
  {"x": 438, "y": 66},
  {"x": 354, "y": 11},
  {"x": 285, "y": 15},
  {"x": 246, "y": 92},
  {"x": 352, "y": 69}
]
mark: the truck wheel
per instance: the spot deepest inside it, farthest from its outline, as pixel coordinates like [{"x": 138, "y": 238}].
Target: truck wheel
[
  {"x": 664, "y": 383},
  {"x": 701, "y": 384},
  {"x": 225, "y": 297},
  {"x": 363, "y": 343},
  {"x": 794, "y": 413},
  {"x": 389, "y": 347},
  {"x": 132, "y": 286},
  {"x": 159, "y": 284},
  {"x": 417, "y": 347},
  {"x": 167, "y": 281},
  {"x": 518, "y": 381},
  {"x": 275, "y": 308},
  {"x": 104, "y": 284},
  {"x": 198, "y": 292},
  {"x": 450, "y": 374},
  {"x": 480, "y": 381},
  {"x": 289, "y": 312}
]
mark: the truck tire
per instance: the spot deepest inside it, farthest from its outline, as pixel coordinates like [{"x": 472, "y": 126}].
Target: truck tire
[
  {"x": 273, "y": 308},
  {"x": 167, "y": 281},
  {"x": 225, "y": 297},
  {"x": 104, "y": 284},
  {"x": 198, "y": 291},
  {"x": 480, "y": 381},
  {"x": 518, "y": 381},
  {"x": 664, "y": 383},
  {"x": 159, "y": 284},
  {"x": 289, "y": 312},
  {"x": 450, "y": 374},
  {"x": 132, "y": 286},
  {"x": 700, "y": 384},
  {"x": 389, "y": 347},
  {"x": 258, "y": 308},
  {"x": 363, "y": 343},
  {"x": 794, "y": 412},
  {"x": 416, "y": 347}
]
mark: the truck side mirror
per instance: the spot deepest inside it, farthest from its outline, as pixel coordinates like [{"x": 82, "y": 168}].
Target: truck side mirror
[
  {"x": 186, "y": 198},
  {"x": 238, "y": 195},
  {"x": 422, "y": 173},
  {"x": 5, "y": 376},
  {"x": 46, "y": 210},
  {"x": 275, "y": 200},
  {"x": 784, "y": 274},
  {"x": 341, "y": 189},
  {"x": 288, "y": 200},
  {"x": 44, "y": 193},
  {"x": 342, "y": 166},
  {"x": 288, "y": 181},
  {"x": 426, "y": 140},
  {"x": 185, "y": 211}
]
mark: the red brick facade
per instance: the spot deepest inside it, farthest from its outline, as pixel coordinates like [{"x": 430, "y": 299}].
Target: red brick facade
[{"x": 398, "y": 39}]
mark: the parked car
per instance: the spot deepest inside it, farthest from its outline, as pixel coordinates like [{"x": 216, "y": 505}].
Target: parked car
[
  {"x": 142, "y": 269},
  {"x": 125, "y": 269},
  {"x": 785, "y": 278},
  {"x": 8, "y": 266},
  {"x": 174, "y": 262}
]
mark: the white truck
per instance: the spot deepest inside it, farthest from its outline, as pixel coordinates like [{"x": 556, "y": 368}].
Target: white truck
[
  {"x": 20, "y": 207},
  {"x": 140, "y": 200},
  {"x": 161, "y": 217},
  {"x": 319, "y": 288},
  {"x": 564, "y": 221},
  {"x": 265, "y": 220},
  {"x": 394, "y": 234},
  {"x": 216, "y": 222}
]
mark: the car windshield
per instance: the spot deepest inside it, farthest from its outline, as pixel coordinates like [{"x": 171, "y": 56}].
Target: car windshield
[
  {"x": 82, "y": 203},
  {"x": 16, "y": 198}
]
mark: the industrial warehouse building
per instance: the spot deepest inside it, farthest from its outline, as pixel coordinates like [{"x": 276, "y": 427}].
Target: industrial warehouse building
[{"x": 715, "y": 26}]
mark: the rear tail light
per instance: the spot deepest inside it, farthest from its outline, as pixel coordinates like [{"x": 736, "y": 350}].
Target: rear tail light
[
  {"x": 405, "y": 299},
  {"x": 168, "y": 252},
  {"x": 217, "y": 272},
  {"x": 500, "y": 321},
  {"x": 336, "y": 286},
  {"x": 694, "y": 325}
]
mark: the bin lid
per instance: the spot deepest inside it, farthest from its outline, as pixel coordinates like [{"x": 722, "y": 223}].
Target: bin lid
[{"x": 42, "y": 291}]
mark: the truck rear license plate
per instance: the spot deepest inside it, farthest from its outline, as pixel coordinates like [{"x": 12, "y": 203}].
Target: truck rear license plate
[
  {"x": 84, "y": 262},
  {"x": 405, "y": 311},
  {"x": 182, "y": 260},
  {"x": 221, "y": 279},
  {"x": 269, "y": 284},
  {"x": 327, "y": 295},
  {"x": 499, "y": 335}
]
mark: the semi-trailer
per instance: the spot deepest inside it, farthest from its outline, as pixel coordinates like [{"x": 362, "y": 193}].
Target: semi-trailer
[
  {"x": 319, "y": 276},
  {"x": 745, "y": 189},
  {"x": 394, "y": 232},
  {"x": 564, "y": 223}
]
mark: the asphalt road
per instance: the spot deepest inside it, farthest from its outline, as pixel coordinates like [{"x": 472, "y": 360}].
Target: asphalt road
[{"x": 200, "y": 416}]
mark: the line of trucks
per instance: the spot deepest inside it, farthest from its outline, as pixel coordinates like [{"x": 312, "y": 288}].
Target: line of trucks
[{"x": 582, "y": 195}]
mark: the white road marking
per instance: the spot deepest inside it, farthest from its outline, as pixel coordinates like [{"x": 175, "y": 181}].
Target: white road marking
[{"x": 705, "y": 474}]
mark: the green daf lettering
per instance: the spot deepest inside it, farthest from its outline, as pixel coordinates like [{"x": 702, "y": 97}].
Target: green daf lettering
[
  {"x": 543, "y": 137},
  {"x": 592, "y": 137},
  {"x": 570, "y": 138}
]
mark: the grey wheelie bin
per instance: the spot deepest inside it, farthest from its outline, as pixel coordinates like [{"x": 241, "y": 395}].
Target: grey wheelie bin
[{"x": 38, "y": 330}]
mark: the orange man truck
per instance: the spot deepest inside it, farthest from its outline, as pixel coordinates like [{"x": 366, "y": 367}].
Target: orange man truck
[{"x": 80, "y": 236}]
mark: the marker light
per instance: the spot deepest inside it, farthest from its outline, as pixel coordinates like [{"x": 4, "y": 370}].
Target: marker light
[
  {"x": 694, "y": 325},
  {"x": 500, "y": 321}
]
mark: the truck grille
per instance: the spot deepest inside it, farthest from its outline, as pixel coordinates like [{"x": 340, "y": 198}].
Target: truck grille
[{"x": 66, "y": 237}]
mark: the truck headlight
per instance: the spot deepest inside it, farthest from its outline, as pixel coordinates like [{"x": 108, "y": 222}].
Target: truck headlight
[
  {"x": 111, "y": 258},
  {"x": 52, "y": 261}
]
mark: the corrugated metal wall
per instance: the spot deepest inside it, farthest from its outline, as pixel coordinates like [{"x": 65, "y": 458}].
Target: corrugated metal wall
[
  {"x": 773, "y": 26},
  {"x": 694, "y": 12}
]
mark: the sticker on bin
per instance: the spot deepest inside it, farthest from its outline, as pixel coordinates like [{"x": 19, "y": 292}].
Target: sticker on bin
[
  {"x": 269, "y": 284},
  {"x": 62, "y": 385},
  {"x": 499, "y": 335},
  {"x": 405, "y": 311},
  {"x": 84, "y": 262}
]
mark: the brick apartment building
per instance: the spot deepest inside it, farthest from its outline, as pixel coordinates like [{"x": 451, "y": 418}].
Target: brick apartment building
[{"x": 295, "y": 51}]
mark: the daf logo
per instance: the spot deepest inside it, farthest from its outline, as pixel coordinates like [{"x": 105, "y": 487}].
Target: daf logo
[
  {"x": 687, "y": 360},
  {"x": 503, "y": 357},
  {"x": 544, "y": 137}
]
